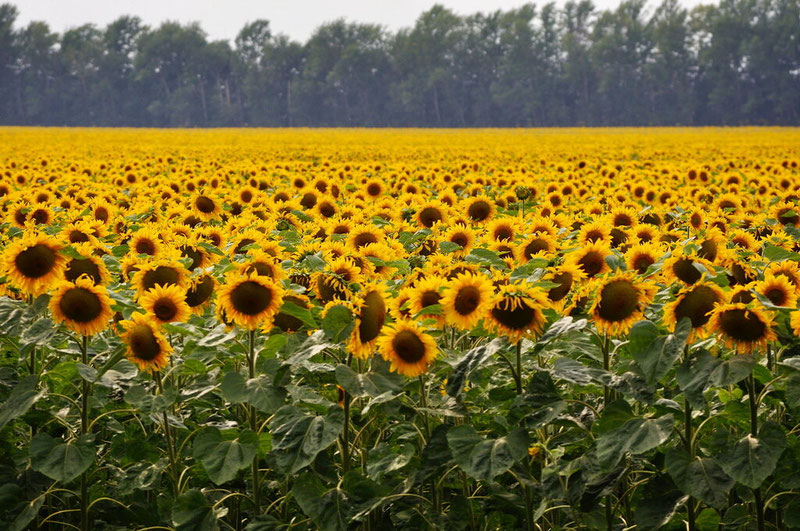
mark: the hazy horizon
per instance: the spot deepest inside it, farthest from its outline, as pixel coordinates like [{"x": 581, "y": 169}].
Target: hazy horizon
[{"x": 223, "y": 20}]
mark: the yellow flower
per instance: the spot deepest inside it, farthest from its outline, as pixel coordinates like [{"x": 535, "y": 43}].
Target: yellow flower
[
  {"x": 33, "y": 263},
  {"x": 408, "y": 349},
  {"x": 146, "y": 345},
  {"x": 82, "y": 306}
]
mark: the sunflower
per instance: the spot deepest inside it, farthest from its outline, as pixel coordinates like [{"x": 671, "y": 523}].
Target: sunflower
[
  {"x": 287, "y": 322},
  {"x": 540, "y": 244},
  {"x": 742, "y": 327},
  {"x": 466, "y": 300},
  {"x": 517, "y": 312},
  {"x": 566, "y": 276},
  {"x": 591, "y": 259},
  {"x": 363, "y": 235},
  {"x": 91, "y": 266},
  {"x": 695, "y": 302},
  {"x": 479, "y": 209},
  {"x": 641, "y": 256},
  {"x": 146, "y": 345},
  {"x": 83, "y": 307},
  {"x": 778, "y": 289},
  {"x": 619, "y": 302},
  {"x": 787, "y": 269},
  {"x": 370, "y": 313},
  {"x": 425, "y": 294},
  {"x": 145, "y": 241},
  {"x": 205, "y": 207},
  {"x": 33, "y": 264},
  {"x": 166, "y": 304},
  {"x": 594, "y": 232},
  {"x": 263, "y": 264},
  {"x": 166, "y": 270},
  {"x": 795, "y": 322},
  {"x": 502, "y": 229},
  {"x": 686, "y": 268},
  {"x": 408, "y": 349},
  {"x": 334, "y": 282},
  {"x": 250, "y": 301},
  {"x": 430, "y": 213},
  {"x": 199, "y": 294}
]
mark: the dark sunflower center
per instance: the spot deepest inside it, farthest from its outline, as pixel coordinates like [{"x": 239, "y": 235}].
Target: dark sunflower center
[
  {"x": 642, "y": 262},
  {"x": 145, "y": 246},
  {"x": 365, "y": 238},
  {"x": 594, "y": 235},
  {"x": 250, "y": 298},
  {"x": 516, "y": 317},
  {"x": 430, "y": 215},
  {"x": 429, "y": 298},
  {"x": 373, "y": 315},
  {"x": 80, "y": 305},
  {"x": 777, "y": 296},
  {"x": 467, "y": 300},
  {"x": 165, "y": 309},
  {"x": 143, "y": 343},
  {"x": 788, "y": 216},
  {"x": 535, "y": 246},
  {"x": 591, "y": 263},
  {"x": 479, "y": 210},
  {"x": 200, "y": 293},
  {"x": 565, "y": 284},
  {"x": 618, "y": 301},
  {"x": 742, "y": 325},
  {"x": 408, "y": 346},
  {"x": 77, "y": 236},
  {"x": 82, "y": 266},
  {"x": 696, "y": 305},
  {"x": 163, "y": 275},
  {"x": 685, "y": 270},
  {"x": 193, "y": 254},
  {"x": 618, "y": 237},
  {"x": 503, "y": 234},
  {"x": 204, "y": 204},
  {"x": 374, "y": 189},
  {"x": 36, "y": 261},
  {"x": 260, "y": 268},
  {"x": 242, "y": 244},
  {"x": 327, "y": 209}
]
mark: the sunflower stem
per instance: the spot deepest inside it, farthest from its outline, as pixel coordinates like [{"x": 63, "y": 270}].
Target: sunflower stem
[
  {"x": 346, "y": 432},
  {"x": 607, "y": 367},
  {"x": 518, "y": 375},
  {"x": 687, "y": 420},
  {"x": 85, "y": 390},
  {"x": 173, "y": 461},
  {"x": 759, "y": 502},
  {"x": 251, "y": 365}
]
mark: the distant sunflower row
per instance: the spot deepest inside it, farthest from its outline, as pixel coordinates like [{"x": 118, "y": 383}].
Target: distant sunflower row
[{"x": 128, "y": 242}]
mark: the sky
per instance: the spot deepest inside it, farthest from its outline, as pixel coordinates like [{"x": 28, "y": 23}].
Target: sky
[{"x": 222, "y": 19}]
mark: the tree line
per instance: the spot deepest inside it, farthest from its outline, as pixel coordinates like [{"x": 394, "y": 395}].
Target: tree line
[{"x": 736, "y": 62}]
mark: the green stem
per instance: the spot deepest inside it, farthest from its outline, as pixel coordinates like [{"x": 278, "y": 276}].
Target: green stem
[
  {"x": 173, "y": 461},
  {"x": 687, "y": 421},
  {"x": 85, "y": 390},
  {"x": 607, "y": 367},
  {"x": 346, "y": 432},
  {"x": 759, "y": 502},
  {"x": 518, "y": 375},
  {"x": 251, "y": 365}
]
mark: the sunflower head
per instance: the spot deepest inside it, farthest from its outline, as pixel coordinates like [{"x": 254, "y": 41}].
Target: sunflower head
[
  {"x": 591, "y": 259},
  {"x": 743, "y": 327},
  {"x": 696, "y": 303},
  {"x": 146, "y": 345},
  {"x": 620, "y": 301},
  {"x": 166, "y": 304},
  {"x": 778, "y": 289},
  {"x": 250, "y": 301},
  {"x": 33, "y": 263},
  {"x": 371, "y": 309},
  {"x": 408, "y": 349},
  {"x": 198, "y": 296},
  {"x": 517, "y": 312},
  {"x": 82, "y": 306},
  {"x": 466, "y": 300}
]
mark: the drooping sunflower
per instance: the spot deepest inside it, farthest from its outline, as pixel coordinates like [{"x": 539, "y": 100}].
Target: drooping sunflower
[
  {"x": 778, "y": 289},
  {"x": 33, "y": 263},
  {"x": 166, "y": 304},
  {"x": 82, "y": 306},
  {"x": 147, "y": 347},
  {"x": 620, "y": 301},
  {"x": 743, "y": 327},
  {"x": 467, "y": 299},
  {"x": 198, "y": 296},
  {"x": 88, "y": 264},
  {"x": 695, "y": 302},
  {"x": 165, "y": 270},
  {"x": 370, "y": 317},
  {"x": 567, "y": 277},
  {"x": 517, "y": 312},
  {"x": 688, "y": 269},
  {"x": 334, "y": 282},
  {"x": 250, "y": 301},
  {"x": 408, "y": 349}
]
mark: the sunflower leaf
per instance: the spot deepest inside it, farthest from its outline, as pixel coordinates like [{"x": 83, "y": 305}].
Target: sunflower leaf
[
  {"x": 21, "y": 399},
  {"x": 472, "y": 359},
  {"x": 700, "y": 477},
  {"x": 751, "y": 460},
  {"x": 61, "y": 461},
  {"x": 191, "y": 512},
  {"x": 338, "y": 323},
  {"x": 222, "y": 458},
  {"x": 486, "y": 458},
  {"x": 636, "y": 436},
  {"x": 657, "y": 358},
  {"x": 297, "y": 438}
]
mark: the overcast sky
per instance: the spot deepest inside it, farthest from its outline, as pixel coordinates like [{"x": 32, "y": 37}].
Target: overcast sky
[{"x": 222, "y": 19}]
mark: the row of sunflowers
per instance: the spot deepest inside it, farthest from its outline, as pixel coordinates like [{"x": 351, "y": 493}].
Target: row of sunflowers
[{"x": 456, "y": 330}]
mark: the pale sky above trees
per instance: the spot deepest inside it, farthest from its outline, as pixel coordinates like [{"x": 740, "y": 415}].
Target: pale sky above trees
[{"x": 222, "y": 19}]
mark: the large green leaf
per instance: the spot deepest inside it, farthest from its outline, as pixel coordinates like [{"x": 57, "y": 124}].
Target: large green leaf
[
  {"x": 732, "y": 371},
  {"x": 751, "y": 460},
  {"x": 473, "y": 358},
  {"x": 636, "y": 436},
  {"x": 22, "y": 397},
  {"x": 191, "y": 512},
  {"x": 327, "y": 509},
  {"x": 223, "y": 458},
  {"x": 700, "y": 477},
  {"x": 258, "y": 391},
  {"x": 658, "y": 504},
  {"x": 60, "y": 460},
  {"x": 657, "y": 357},
  {"x": 693, "y": 377},
  {"x": 486, "y": 458},
  {"x": 338, "y": 323},
  {"x": 370, "y": 384},
  {"x": 298, "y": 437}
]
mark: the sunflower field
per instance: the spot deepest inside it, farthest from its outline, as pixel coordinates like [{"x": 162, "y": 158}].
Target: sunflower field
[{"x": 344, "y": 329}]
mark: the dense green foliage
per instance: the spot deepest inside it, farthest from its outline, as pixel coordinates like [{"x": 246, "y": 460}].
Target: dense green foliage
[{"x": 737, "y": 62}]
